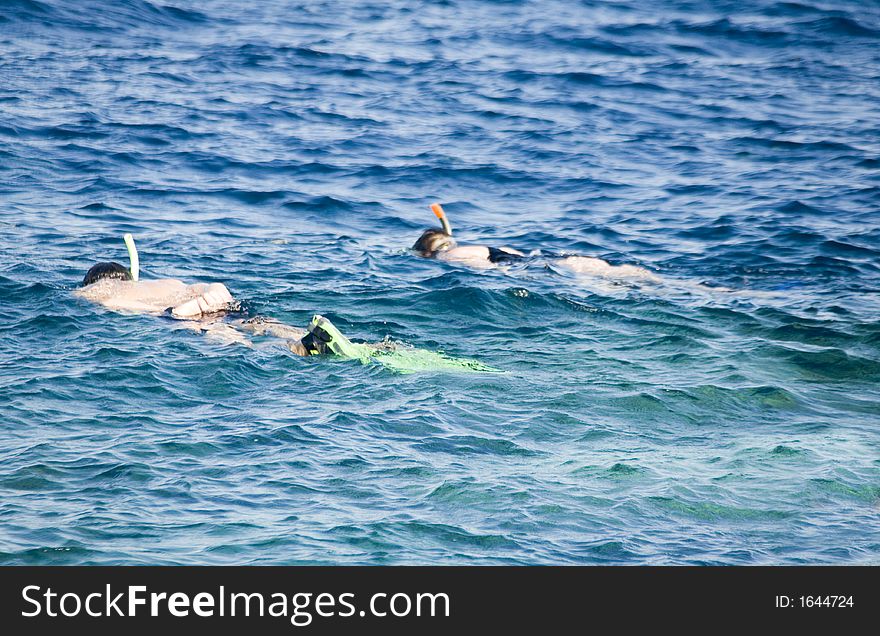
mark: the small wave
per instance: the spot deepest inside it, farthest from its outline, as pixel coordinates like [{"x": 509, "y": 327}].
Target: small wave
[{"x": 788, "y": 145}]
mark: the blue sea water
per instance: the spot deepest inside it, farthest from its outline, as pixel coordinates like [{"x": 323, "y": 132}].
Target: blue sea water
[{"x": 291, "y": 151}]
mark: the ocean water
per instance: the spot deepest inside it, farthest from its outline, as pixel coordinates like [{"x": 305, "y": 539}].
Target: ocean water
[{"x": 291, "y": 150}]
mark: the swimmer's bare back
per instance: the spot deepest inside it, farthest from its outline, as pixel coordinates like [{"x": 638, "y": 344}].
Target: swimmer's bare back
[{"x": 202, "y": 307}]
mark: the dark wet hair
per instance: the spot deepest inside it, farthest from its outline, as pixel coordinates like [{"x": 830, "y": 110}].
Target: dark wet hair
[
  {"x": 432, "y": 241},
  {"x": 106, "y": 270}
]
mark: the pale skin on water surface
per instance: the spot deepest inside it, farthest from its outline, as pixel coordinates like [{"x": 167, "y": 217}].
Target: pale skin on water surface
[
  {"x": 440, "y": 245},
  {"x": 159, "y": 295},
  {"x": 197, "y": 304}
]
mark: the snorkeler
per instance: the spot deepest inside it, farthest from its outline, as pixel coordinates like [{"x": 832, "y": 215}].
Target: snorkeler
[
  {"x": 119, "y": 288},
  {"x": 211, "y": 309},
  {"x": 439, "y": 244}
]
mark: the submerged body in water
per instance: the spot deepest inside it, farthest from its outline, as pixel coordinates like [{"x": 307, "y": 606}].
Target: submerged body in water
[
  {"x": 438, "y": 243},
  {"x": 211, "y": 309}
]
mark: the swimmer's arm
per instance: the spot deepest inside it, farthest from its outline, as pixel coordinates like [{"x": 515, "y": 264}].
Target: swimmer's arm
[{"x": 297, "y": 347}]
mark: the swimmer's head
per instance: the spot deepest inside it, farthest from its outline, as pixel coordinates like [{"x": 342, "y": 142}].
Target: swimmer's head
[
  {"x": 100, "y": 271},
  {"x": 433, "y": 241}
]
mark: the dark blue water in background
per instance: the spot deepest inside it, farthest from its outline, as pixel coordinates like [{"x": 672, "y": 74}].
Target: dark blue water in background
[{"x": 291, "y": 151}]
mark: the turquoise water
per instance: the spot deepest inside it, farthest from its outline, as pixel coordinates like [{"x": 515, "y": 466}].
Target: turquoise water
[{"x": 291, "y": 151}]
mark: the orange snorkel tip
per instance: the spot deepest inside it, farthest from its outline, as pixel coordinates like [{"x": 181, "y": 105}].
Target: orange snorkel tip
[{"x": 440, "y": 214}]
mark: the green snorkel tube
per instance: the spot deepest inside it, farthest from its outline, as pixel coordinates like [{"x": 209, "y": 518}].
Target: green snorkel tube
[{"x": 134, "y": 265}]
